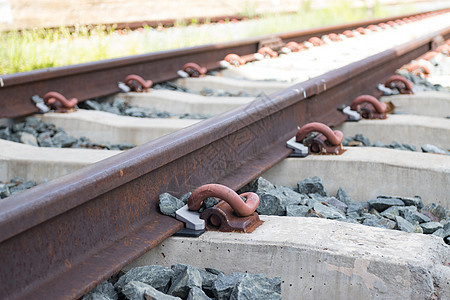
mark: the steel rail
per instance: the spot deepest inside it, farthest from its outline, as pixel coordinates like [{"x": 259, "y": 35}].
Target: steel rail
[
  {"x": 62, "y": 238},
  {"x": 96, "y": 79}
]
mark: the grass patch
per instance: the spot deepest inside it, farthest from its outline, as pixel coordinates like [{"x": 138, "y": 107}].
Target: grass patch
[{"x": 43, "y": 48}]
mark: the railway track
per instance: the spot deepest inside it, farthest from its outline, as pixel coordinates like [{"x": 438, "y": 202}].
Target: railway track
[{"x": 115, "y": 200}]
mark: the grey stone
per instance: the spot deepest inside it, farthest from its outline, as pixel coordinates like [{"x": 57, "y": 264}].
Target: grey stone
[
  {"x": 17, "y": 180},
  {"x": 355, "y": 209},
  {"x": 404, "y": 225},
  {"x": 63, "y": 140},
  {"x": 446, "y": 234},
  {"x": 313, "y": 214},
  {"x": 332, "y": 201},
  {"x": 136, "y": 290},
  {"x": 317, "y": 198},
  {"x": 390, "y": 224},
  {"x": 15, "y": 137},
  {"x": 436, "y": 210},
  {"x": 28, "y": 184},
  {"x": 410, "y": 214},
  {"x": 439, "y": 233},
  {"x": 28, "y": 138},
  {"x": 136, "y": 112},
  {"x": 185, "y": 197},
  {"x": 5, "y": 133},
  {"x": 346, "y": 140},
  {"x": 208, "y": 279},
  {"x": 112, "y": 110},
  {"x": 45, "y": 139},
  {"x": 290, "y": 197},
  {"x": 32, "y": 121},
  {"x": 409, "y": 201},
  {"x": 197, "y": 293},
  {"x": 430, "y": 227},
  {"x": 156, "y": 276},
  {"x": 391, "y": 213},
  {"x": 361, "y": 138},
  {"x": 4, "y": 191},
  {"x": 207, "y": 203},
  {"x": 224, "y": 285},
  {"x": 311, "y": 186},
  {"x": 213, "y": 271},
  {"x": 399, "y": 146},
  {"x": 380, "y": 204},
  {"x": 328, "y": 212},
  {"x": 343, "y": 197},
  {"x": 257, "y": 286},
  {"x": 94, "y": 105},
  {"x": 21, "y": 187},
  {"x": 18, "y": 127},
  {"x": 296, "y": 210},
  {"x": 125, "y": 146},
  {"x": 30, "y": 130},
  {"x": 366, "y": 216},
  {"x": 375, "y": 212},
  {"x": 379, "y": 144},
  {"x": 259, "y": 186},
  {"x": 184, "y": 278},
  {"x": 169, "y": 204},
  {"x": 119, "y": 103},
  {"x": 434, "y": 149},
  {"x": 270, "y": 204},
  {"x": 104, "y": 291},
  {"x": 380, "y": 223}
]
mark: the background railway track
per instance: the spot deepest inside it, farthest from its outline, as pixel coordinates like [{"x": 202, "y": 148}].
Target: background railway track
[{"x": 117, "y": 188}]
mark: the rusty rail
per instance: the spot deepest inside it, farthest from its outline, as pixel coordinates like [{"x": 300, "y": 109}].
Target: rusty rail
[
  {"x": 96, "y": 79},
  {"x": 62, "y": 238}
]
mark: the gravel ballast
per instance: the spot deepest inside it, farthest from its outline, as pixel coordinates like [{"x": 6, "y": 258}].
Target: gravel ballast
[
  {"x": 35, "y": 132},
  {"x": 182, "y": 281}
]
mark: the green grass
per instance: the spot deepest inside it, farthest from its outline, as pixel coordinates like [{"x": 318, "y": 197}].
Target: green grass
[{"x": 43, "y": 48}]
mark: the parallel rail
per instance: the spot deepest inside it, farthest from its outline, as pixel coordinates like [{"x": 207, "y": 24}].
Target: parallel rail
[
  {"x": 96, "y": 79},
  {"x": 62, "y": 238}
]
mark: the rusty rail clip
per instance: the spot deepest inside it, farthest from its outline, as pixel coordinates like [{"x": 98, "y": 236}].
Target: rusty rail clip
[
  {"x": 192, "y": 69},
  {"x": 58, "y": 102},
  {"x": 222, "y": 218},
  {"x": 231, "y": 214},
  {"x": 403, "y": 85},
  {"x": 320, "y": 139},
  {"x": 137, "y": 83},
  {"x": 369, "y": 107}
]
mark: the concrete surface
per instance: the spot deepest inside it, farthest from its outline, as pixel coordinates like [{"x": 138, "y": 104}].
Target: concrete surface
[
  {"x": 432, "y": 104},
  {"x": 366, "y": 172},
  {"x": 39, "y": 163},
  {"x": 180, "y": 103},
  {"x": 105, "y": 127},
  {"x": 297, "y": 67},
  {"x": 409, "y": 129},
  {"x": 443, "y": 80},
  {"x": 254, "y": 88},
  {"x": 321, "y": 259}
]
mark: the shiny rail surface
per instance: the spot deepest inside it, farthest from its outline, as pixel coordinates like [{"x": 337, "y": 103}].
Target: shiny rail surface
[
  {"x": 96, "y": 79},
  {"x": 62, "y": 238}
]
